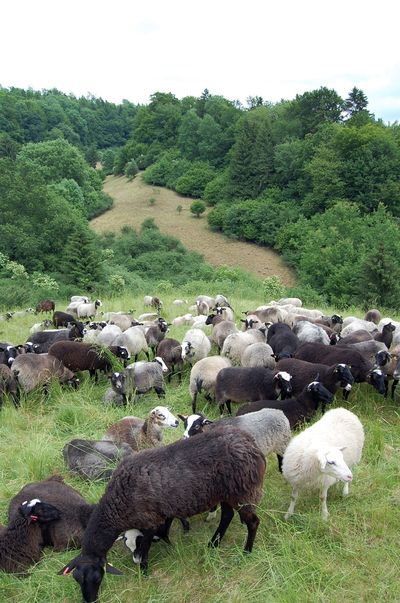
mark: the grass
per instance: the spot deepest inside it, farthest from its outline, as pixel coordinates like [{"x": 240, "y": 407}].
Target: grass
[
  {"x": 352, "y": 557},
  {"x": 132, "y": 206}
]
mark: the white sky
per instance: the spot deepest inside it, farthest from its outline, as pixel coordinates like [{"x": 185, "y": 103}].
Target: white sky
[{"x": 128, "y": 49}]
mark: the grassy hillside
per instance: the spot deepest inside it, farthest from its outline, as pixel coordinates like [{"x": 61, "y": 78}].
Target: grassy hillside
[
  {"x": 135, "y": 201},
  {"x": 352, "y": 557}
]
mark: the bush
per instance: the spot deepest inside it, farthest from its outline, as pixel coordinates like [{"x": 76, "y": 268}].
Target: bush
[
  {"x": 273, "y": 288},
  {"x": 215, "y": 190},
  {"x": 195, "y": 179},
  {"x": 131, "y": 169},
  {"x": 197, "y": 208}
]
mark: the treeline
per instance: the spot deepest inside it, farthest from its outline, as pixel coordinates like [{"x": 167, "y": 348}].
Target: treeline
[{"x": 283, "y": 175}]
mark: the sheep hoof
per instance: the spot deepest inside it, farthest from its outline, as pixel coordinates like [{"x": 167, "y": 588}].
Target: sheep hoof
[
  {"x": 288, "y": 516},
  {"x": 212, "y": 515}
]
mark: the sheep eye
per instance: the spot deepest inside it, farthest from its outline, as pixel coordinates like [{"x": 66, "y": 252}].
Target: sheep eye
[
  {"x": 161, "y": 417},
  {"x": 331, "y": 462},
  {"x": 197, "y": 427}
]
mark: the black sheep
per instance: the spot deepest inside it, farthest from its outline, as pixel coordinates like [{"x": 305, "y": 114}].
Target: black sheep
[
  {"x": 86, "y": 356},
  {"x": 303, "y": 372},
  {"x": 170, "y": 350},
  {"x": 63, "y": 319},
  {"x": 44, "y": 339},
  {"x": 282, "y": 340},
  {"x": 180, "y": 480}
]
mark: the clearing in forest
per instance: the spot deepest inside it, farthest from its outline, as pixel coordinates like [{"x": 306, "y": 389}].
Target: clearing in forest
[{"x": 135, "y": 201}]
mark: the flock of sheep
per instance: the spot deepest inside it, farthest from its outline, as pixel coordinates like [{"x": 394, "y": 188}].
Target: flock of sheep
[{"x": 283, "y": 365}]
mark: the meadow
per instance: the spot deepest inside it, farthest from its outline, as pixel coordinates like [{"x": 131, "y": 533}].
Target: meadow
[{"x": 354, "y": 556}]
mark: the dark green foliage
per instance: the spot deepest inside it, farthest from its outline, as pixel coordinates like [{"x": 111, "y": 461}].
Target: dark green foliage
[
  {"x": 80, "y": 261},
  {"x": 197, "y": 208},
  {"x": 131, "y": 169},
  {"x": 195, "y": 179},
  {"x": 216, "y": 189}
]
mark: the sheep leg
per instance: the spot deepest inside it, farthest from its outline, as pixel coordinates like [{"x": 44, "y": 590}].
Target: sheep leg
[
  {"x": 221, "y": 408},
  {"x": 252, "y": 522},
  {"x": 227, "y": 514},
  {"x": 346, "y": 489},
  {"x": 147, "y": 354},
  {"x": 346, "y": 394},
  {"x": 280, "y": 459},
  {"x": 143, "y": 551},
  {"x": 323, "y": 496},
  {"x": 293, "y": 500},
  {"x": 228, "y": 406},
  {"x": 386, "y": 386},
  {"x": 194, "y": 403},
  {"x": 163, "y": 531},
  {"x": 394, "y": 385},
  {"x": 160, "y": 392},
  {"x": 185, "y": 524},
  {"x": 208, "y": 397}
]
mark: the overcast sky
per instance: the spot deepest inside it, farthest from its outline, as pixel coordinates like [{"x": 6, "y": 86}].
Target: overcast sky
[{"x": 120, "y": 49}]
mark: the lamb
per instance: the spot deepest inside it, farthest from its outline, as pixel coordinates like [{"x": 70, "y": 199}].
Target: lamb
[
  {"x": 44, "y": 339},
  {"x": 134, "y": 340},
  {"x": 85, "y": 310},
  {"x": 47, "y": 305},
  {"x": 32, "y": 370},
  {"x": 299, "y": 409},
  {"x": 21, "y": 542},
  {"x": 361, "y": 368},
  {"x": 180, "y": 480},
  {"x": 373, "y": 316},
  {"x": 259, "y": 354},
  {"x": 195, "y": 345},
  {"x": 79, "y": 356},
  {"x": 8, "y": 385},
  {"x": 170, "y": 350},
  {"x": 40, "y": 326},
  {"x": 141, "y": 433},
  {"x": 250, "y": 384},
  {"x": 140, "y": 378},
  {"x": 93, "y": 459},
  {"x": 156, "y": 333},
  {"x": 203, "y": 377},
  {"x": 324, "y": 454},
  {"x": 307, "y": 331},
  {"x": 282, "y": 340},
  {"x": 235, "y": 344},
  {"x": 331, "y": 377},
  {"x": 74, "y": 511},
  {"x": 269, "y": 428}
]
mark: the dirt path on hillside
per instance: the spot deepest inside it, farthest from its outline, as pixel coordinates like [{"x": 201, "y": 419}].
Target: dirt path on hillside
[{"x": 132, "y": 205}]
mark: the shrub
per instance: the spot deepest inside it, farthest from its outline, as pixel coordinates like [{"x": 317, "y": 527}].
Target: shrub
[
  {"x": 273, "y": 288},
  {"x": 195, "y": 179},
  {"x": 131, "y": 169},
  {"x": 197, "y": 208}
]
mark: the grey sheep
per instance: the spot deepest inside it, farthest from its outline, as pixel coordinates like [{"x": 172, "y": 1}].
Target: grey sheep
[
  {"x": 180, "y": 480},
  {"x": 259, "y": 354},
  {"x": 8, "y": 385},
  {"x": 32, "y": 370},
  {"x": 235, "y": 344},
  {"x": 134, "y": 340},
  {"x": 93, "y": 459},
  {"x": 309, "y": 332},
  {"x": 203, "y": 377},
  {"x": 139, "y": 378},
  {"x": 170, "y": 350},
  {"x": 373, "y": 316},
  {"x": 44, "y": 339}
]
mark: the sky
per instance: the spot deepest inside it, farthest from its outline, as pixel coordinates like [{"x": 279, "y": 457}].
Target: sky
[{"x": 121, "y": 49}]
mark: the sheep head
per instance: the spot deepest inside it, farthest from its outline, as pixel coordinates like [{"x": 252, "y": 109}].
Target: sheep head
[{"x": 88, "y": 571}]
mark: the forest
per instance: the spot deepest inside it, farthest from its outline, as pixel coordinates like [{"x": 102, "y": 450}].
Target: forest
[{"x": 316, "y": 177}]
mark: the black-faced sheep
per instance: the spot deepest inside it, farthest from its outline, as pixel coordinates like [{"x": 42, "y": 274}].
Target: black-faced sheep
[
  {"x": 170, "y": 350},
  {"x": 323, "y": 455},
  {"x": 88, "y": 310},
  {"x": 179, "y": 480},
  {"x": 195, "y": 346},
  {"x": 134, "y": 340},
  {"x": 139, "y": 378},
  {"x": 63, "y": 319},
  {"x": 79, "y": 356},
  {"x": 156, "y": 333},
  {"x": 8, "y": 353},
  {"x": 299, "y": 409},
  {"x": 141, "y": 433},
  {"x": 282, "y": 340},
  {"x": 250, "y": 384},
  {"x": 43, "y": 340},
  {"x": 303, "y": 372}
]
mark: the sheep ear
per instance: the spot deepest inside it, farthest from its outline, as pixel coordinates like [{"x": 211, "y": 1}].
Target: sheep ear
[
  {"x": 206, "y": 421},
  {"x": 322, "y": 459},
  {"x": 66, "y": 571},
  {"x": 343, "y": 448},
  {"x": 110, "y": 569},
  {"x": 182, "y": 417}
]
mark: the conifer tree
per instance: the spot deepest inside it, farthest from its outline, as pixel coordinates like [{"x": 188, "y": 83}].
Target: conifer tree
[{"x": 81, "y": 264}]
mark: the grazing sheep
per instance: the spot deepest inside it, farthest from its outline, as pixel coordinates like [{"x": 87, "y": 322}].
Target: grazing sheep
[
  {"x": 44, "y": 339},
  {"x": 32, "y": 370},
  {"x": 307, "y": 331},
  {"x": 221, "y": 331},
  {"x": 299, "y": 409},
  {"x": 269, "y": 314},
  {"x": 79, "y": 356},
  {"x": 356, "y": 325},
  {"x": 202, "y": 308},
  {"x": 170, "y": 350},
  {"x": 389, "y": 363},
  {"x": 373, "y": 316},
  {"x": 134, "y": 340},
  {"x": 47, "y": 305},
  {"x": 140, "y": 378},
  {"x": 210, "y": 301},
  {"x": 141, "y": 433},
  {"x": 21, "y": 542},
  {"x": 303, "y": 372},
  {"x": 63, "y": 319},
  {"x": 361, "y": 368},
  {"x": 259, "y": 354},
  {"x": 180, "y": 480},
  {"x": 93, "y": 459},
  {"x": 154, "y": 302},
  {"x": 323, "y": 455},
  {"x": 74, "y": 511},
  {"x": 235, "y": 343},
  {"x": 203, "y": 377},
  {"x": 8, "y": 385},
  {"x": 195, "y": 345},
  {"x": 282, "y": 340},
  {"x": 250, "y": 384},
  {"x": 269, "y": 428},
  {"x": 80, "y": 299},
  {"x": 108, "y": 335},
  {"x": 123, "y": 321},
  {"x": 88, "y": 310},
  {"x": 180, "y": 302},
  {"x": 40, "y": 326}
]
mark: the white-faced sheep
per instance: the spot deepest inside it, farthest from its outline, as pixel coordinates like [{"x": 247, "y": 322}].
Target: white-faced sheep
[
  {"x": 139, "y": 378},
  {"x": 142, "y": 433},
  {"x": 40, "y": 326},
  {"x": 203, "y": 377},
  {"x": 88, "y": 310},
  {"x": 323, "y": 455},
  {"x": 195, "y": 346},
  {"x": 181, "y": 480}
]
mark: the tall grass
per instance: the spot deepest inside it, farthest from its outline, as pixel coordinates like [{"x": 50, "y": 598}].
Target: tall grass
[{"x": 354, "y": 556}]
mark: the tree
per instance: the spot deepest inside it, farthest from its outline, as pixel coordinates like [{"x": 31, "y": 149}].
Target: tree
[
  {"x": 131, "y": 169},
  {"x": 315, "y": 108},
  {"x": 188, "y": 135},
  {"x": 80, "y": 264},
  {"x": 197, "y": 208},
  {"x": 356, "y": 101}
]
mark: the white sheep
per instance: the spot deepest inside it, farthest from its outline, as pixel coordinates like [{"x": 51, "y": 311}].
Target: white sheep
[
  {"x": 236, "y": 343},
  {"x": 323, "y": 454},
  {"x": 108, "y": 335},
  {"x": 195, "y": 345},
  {"x": 85, "y": 310},
  {"x": 80, "y": 298},
  {"x": 203, "y": 377},
  {"x": 356, "y": 325},
  {"x": 134, "y": 340},
  {"x": 258, "y": 354},
  {"x": 308, "y": 332},
  {"x": 180, "y": 302}
]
